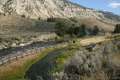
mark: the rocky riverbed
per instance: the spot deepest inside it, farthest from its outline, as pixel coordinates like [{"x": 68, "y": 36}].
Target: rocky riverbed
[{"x": 8, "y": 54}]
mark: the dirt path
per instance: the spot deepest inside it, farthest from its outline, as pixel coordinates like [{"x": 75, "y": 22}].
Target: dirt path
[
  {"x": 98, "y": 39},
  {"x": 9, "y": 54},
  {"x": 88, "y": 41}
]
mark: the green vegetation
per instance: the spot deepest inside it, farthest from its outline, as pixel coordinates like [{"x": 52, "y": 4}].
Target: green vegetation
[
  {"x": 95, "y": 30},
  {"x": 67, "y": 27},
  {"x": 51, "y": 19},
  {"x": 23, "y": 16},
  {"x": 63, "y": 57},
  {"x": 17, "y": 71},
  {"x": 117, "y": 28},
  {"x": 72, "y": 28},
  {"x": 39, "y": 18}
]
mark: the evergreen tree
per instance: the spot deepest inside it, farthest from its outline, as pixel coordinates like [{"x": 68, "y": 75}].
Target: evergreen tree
[
  {"x": 95, "y": 30},
  {"x": 60, "y": 29},
  {"x": 117, "y": 28},
  {"x": 82, "y": 31}
]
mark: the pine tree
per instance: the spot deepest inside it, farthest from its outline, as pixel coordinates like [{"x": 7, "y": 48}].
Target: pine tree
[
  {"x": 117, "y": 28},
  {"x": 95, "y": 30},
  {"x": 82, "y": 30}
]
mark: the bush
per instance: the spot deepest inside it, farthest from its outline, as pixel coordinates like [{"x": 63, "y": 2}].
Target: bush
[
  {"x": 51, "y": 19},
  {"x": 95, "y": 30},
  {"x": 79, "y": 31},
  {"x": 23, "y": 16},
  {"x": 66, "y": 27},
  {"x": 82, "y": 31},
  {"x": 117, "y": 29},
  {"x": 60, "y": 29},
  {"x": 39, "y": 18}
]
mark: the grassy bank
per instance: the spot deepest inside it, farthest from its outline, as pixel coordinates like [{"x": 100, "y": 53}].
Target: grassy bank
[
  {"x": 61, "y": 59},
  {"x": 17, "y": 69}
]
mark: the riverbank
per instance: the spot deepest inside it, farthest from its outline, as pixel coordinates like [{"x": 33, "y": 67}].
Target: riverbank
[
  {"x": 17, "y": 69},
  {"x": 53, "y": 62}
]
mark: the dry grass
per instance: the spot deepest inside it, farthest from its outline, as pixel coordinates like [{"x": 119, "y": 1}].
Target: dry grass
[
  {"x": 116, "y": 59},
  {"x": 101, "y": 75},
  {"x": 11, "y": 71},
  {"x": 93, "y": 21},
  {"x": 94, "y": 40}
]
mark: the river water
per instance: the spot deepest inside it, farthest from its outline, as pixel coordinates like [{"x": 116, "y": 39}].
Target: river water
[{"x": 23, "y": 49}]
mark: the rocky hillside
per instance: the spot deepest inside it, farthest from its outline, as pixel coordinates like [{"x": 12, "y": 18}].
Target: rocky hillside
[{"x": 51, "y": 8}]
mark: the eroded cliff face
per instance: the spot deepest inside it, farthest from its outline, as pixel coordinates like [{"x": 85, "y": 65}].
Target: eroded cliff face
[
  {"x": 33, "y": 8},
  {"x": 102, "y": 63},
  {"x": 48, "y": 8}
]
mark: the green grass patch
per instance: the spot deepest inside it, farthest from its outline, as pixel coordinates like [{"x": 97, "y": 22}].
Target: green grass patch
[{"x": 63, "y": 57}]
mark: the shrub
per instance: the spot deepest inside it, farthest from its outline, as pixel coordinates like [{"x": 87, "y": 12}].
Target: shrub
[
  {"x": 60, "y": 29},
  {"x": 117, "y": 29},
  {"x": 66, "y": 27},
  {"x": 82, "y": 30},
  {"x": 23, "y": 16},
  {"x": 95, "y": 30},
  {"x": 39, "y": 18},
  {"x": 51, "y": 19}
]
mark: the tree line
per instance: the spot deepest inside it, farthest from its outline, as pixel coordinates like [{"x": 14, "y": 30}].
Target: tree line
[
  {"x": 117, "y": 28},
  {"x": 74, "y": 30},
  {"x": 65, "y": 27}
]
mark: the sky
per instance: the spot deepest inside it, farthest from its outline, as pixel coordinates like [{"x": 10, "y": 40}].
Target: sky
[{"x": 107, "y": 5}]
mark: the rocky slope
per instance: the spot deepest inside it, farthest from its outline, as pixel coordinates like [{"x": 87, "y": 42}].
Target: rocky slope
[{"x": 50, "y": 8}]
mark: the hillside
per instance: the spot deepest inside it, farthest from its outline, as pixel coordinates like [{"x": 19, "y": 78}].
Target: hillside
[
  {"x": 16, "y": 30},
  {"x": 50, "y": 8},
  {"x": 26, "y": 20},
  {"x": 43, "y": 9}
]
